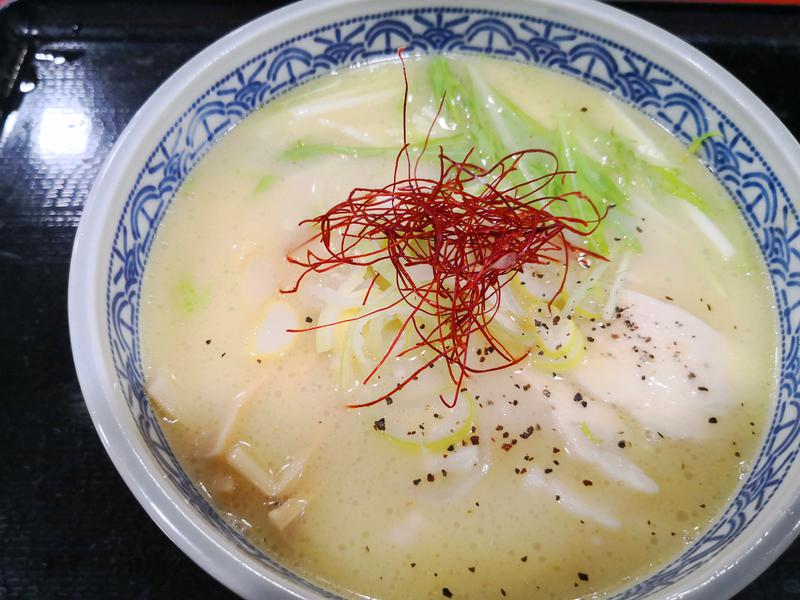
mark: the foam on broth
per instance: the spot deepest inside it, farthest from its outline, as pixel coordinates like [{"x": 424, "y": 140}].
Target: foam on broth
[{"x": 383, "y": 519}]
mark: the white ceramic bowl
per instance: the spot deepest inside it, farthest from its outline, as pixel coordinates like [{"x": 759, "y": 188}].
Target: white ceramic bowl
[{"x": 755, "y": 157}]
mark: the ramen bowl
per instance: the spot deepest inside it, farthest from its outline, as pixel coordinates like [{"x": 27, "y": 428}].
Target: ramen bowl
[{"x": 752, "y": 155}]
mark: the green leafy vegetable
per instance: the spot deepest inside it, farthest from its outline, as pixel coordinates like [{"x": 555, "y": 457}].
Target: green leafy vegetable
[
  {"x": 188, "y": 298},
  {"x": 698, "y": 142},
  {"x": 588, "y": 434},
  {"x": 264, "y": 183}
]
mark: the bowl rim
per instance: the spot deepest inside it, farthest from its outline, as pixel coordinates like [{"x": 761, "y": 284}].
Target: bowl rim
[{"x": 206, "y": 547}]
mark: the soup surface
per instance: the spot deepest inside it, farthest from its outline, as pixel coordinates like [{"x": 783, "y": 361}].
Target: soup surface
[{"x": 630, "y": 420}]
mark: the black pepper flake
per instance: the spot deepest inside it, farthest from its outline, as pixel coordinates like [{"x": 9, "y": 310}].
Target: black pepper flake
[
  {"x": 578, "y": 397},
  {"x": 621, "y": 443},
  {"x": 584, "y": 109},
  {"x": 475, "y": 439},
  {"x": 447, "y": 593},
  {"x": 258, "y": 360},
  {"x": 527, "y": 433},
  {"x": 712, "y": 420},
  {"x": 502, "y": 591},
  {"x": 430, "y": 478},
  {"x": 589, "y": 338},
  {"x": 524, "y": 559},
  {"x": 526, "y": 387},
  {"x": 416, "y": 482},
  {"x": 471, "y": 569},
  {"x": 413, "y": 565},
  {"x": 583, "y": 577},
  {"x": 309, "y": 320},
  {"x": 208, "y": 342},
  {"x": 702, "y": 388},
  {"x": 587, "y": 482},
  {"x": 223, "y": 355},
  {"x": 380, "y": 424},
  {"x": 389, "y": 400},
  {"x": 548, "y": 470}
]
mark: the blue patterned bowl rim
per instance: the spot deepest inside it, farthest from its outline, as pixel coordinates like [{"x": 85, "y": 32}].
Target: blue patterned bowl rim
[{"x": 534, "y": 32}]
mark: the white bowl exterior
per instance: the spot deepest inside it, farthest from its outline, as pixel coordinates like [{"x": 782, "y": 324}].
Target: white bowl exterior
[{"x": 769, "y": 533}]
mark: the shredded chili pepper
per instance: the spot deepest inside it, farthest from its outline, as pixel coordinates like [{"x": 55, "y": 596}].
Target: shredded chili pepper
[{"x": 474, "y": 227}]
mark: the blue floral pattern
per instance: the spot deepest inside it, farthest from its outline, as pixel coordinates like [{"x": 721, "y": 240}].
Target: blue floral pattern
[{"x": 633, "y": 78}]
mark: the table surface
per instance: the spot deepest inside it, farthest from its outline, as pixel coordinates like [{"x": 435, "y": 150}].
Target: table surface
[{"x": 68, "y": 525}]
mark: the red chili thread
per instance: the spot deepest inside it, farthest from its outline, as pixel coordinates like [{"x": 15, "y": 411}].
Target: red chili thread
[{"x": 473, "y": 243}]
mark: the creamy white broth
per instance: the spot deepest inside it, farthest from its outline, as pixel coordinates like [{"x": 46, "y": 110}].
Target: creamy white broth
[{"x": 578, "y": 482}]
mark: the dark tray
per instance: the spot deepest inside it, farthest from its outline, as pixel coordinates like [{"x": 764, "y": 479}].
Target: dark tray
[{"x": 68, "y": 525}]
